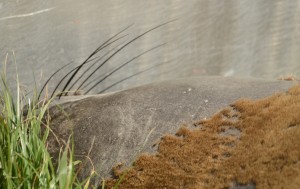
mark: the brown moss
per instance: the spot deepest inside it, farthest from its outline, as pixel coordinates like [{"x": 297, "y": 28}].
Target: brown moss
[{"x": 250, "y": 142}]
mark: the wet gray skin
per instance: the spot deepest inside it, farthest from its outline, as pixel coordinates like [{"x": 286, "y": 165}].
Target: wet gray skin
[
  {"x": 116, "y": 127},
  {"x": 232, "y": 38}
]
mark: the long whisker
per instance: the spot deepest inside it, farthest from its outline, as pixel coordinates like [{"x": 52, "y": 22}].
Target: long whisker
[
  {"x": 89, "y": 83},
  {"x": 90, "y": 56},
  {"x": 121, "y": 66},
  {"x": 128, "y": 43},
  {"x": 84, "y": 86},
  {"x": 97, "y": 61},
  {"x": 51, "y": 78},
  {"x": 67, "y": 76},
  {"x": 126, "y": 78}
]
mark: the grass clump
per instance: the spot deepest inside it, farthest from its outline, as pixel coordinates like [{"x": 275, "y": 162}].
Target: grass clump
[{"x": 24, "y": 159}]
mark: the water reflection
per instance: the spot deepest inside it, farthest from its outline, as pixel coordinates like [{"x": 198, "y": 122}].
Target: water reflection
[{"x": 211, "y": 37}]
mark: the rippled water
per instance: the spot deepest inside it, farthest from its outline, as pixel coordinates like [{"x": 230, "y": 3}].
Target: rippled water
[{"x": 210, "y": 37}]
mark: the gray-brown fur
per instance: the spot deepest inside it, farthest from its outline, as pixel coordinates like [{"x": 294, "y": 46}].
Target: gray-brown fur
[{"x": 112, "y": 128}]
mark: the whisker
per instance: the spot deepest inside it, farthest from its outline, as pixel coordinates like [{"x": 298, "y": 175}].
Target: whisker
[
  {"x": 51, "y": 78},
  {"x": 97, "y": 60},
  {"x": 84, "y": 86},
  {"x": 121, "y": 66},
  {"x": 128, "y": 43},
  {"x": 126, "y": 78},
  {"x": 90, "y": 56},
  {"x": 67, "y": 76}
]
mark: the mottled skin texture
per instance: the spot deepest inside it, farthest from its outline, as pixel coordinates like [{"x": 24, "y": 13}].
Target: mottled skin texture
[{"x": 112, "y": 128}]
